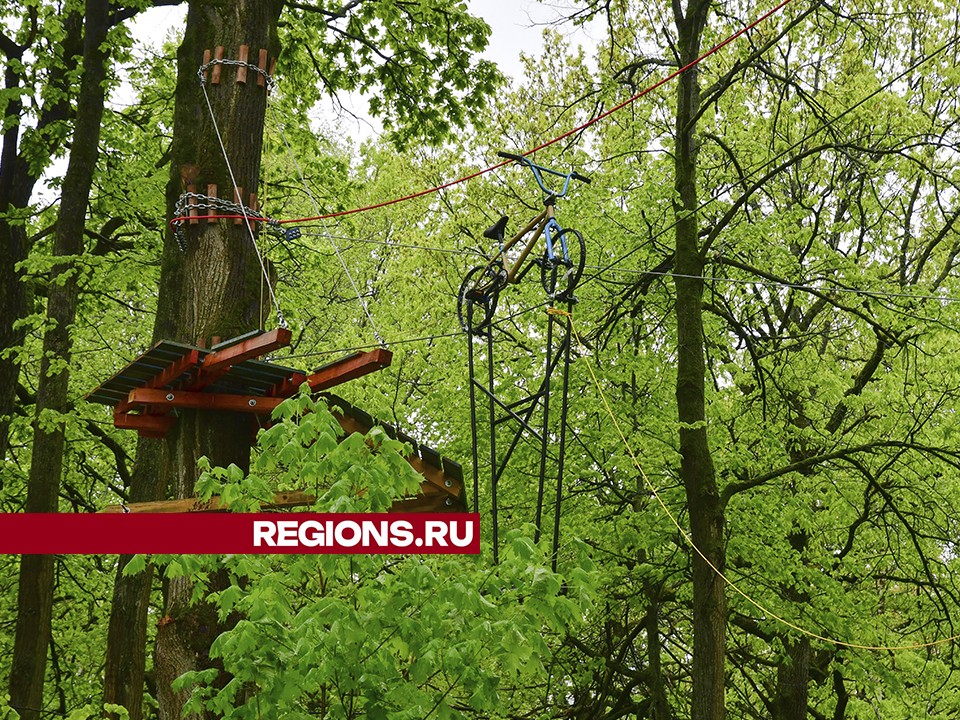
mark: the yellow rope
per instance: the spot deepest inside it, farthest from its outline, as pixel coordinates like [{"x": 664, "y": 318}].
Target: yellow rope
[{"x": 730, "y": 583}]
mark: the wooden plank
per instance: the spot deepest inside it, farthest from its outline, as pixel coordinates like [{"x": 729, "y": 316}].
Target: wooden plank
[
  {"x": 262, "y": 64},
  {"x": 448, "y": 486},
  {"x": 215, "y": 75},
  {"x": 349, "y": 368},
  {"x": 238, "y": 200},
  {"x": 288, "y": 387},
  {"x": 242, "y": 68},
  {"x": 145, "y": 423},
  {"x": 281, "y": 501},
  {"x": 219, "y": 362},
  {"x": 161, "y": 400},
  {"x": 168, "y": 376},
  {"x": 286, "y": 499},
  {"x": 211, "y": 193}
]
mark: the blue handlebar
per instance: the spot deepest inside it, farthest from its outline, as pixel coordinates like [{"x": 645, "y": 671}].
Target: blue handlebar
[{"x": 538, "y": 169}]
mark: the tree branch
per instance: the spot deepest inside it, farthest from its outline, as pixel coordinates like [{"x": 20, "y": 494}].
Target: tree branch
[{"x": 810, "y": 462}]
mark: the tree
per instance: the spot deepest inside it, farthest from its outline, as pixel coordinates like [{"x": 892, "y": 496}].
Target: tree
[
  {"x": 35, "y": 596},
  {"x": 23, "y": 158}
]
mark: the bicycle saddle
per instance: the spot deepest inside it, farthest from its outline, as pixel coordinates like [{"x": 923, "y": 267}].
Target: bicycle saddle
[{"x": 495, "y": 232}]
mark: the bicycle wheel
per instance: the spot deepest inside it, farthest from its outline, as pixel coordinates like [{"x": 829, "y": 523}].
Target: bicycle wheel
[
  {"x": 480, "y": 288},
  {"x": 561, "y": 275}
]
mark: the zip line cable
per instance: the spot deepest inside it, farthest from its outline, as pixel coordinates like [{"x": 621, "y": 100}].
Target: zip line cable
[
  {"x": 336, "y": 248},
  {"x": 767, "y": 163},
  {"x": 578, "y": 129},
  {"x": 689, "y": 540},
  {"x": 423, "y": 338}
]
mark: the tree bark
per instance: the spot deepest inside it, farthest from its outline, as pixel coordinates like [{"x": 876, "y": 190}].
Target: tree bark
[
  {"x": 793, "y": 679},
  {"x": 36, "y": 585},
  {"x": 123, "y": 681},
  {"x": 696, "y": 464},
  {"x": 17, "y": 180},
  {"x": 211, "y": 289}
]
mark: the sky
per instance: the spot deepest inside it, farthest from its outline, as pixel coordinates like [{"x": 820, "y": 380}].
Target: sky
[{"x": 516, "y": 25}]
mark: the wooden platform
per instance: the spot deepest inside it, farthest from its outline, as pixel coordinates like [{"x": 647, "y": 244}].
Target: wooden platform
[{"x": 146, "y": 394}]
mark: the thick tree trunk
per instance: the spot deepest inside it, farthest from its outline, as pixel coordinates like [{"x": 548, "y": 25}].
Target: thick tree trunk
[
  {"x": 696, "y": 465},
  {"x": 35, "y": 598},
  {"x": 212, "y": 289}
]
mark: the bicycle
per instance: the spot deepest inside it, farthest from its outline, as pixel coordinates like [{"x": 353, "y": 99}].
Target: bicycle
[{"x": 482, "y": 285}]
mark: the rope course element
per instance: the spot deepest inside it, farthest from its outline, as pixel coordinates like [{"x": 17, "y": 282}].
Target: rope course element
[
  {"x": 189, "y": 202},
  {"x": 329, "y": 236},
  {"x": 266, "y": 78},
  {"x": 406, "y": 341},
  {"x": 578, "y": 129},
  {"x": 243, "y": 210},
  {"x": 689, "y": 540}
]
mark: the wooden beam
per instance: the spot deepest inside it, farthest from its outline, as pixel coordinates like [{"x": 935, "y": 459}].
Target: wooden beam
[
  {"x": 169, "y": 399},
  {"x": 281, "y": 501},
  {"x": 220, "y": 361},
  {"x": 449, "y": 486},
  {"x": 168, "y": 376},
  {"x": 349, "y": 368},
  {"x": 145, "y": 423},
  {"x": 287, "y": 387}
]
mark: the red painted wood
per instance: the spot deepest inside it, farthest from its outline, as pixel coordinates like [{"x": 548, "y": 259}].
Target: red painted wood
[
  {"x": 145, "y": 423},
  {"x": 171, "y": 374},
  {"x": 349, "y": 368},
  {"x": 217, "y": 363},
  {"x": 159, "y": 399}
]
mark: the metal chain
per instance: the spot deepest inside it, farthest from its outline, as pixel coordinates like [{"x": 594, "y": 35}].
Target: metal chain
[
  {"x": 201, "y": 73},
  {"x": 206, "y": 202}
]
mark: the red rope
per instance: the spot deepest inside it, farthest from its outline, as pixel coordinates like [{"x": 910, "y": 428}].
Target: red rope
[{"x": 580, "y": 128}]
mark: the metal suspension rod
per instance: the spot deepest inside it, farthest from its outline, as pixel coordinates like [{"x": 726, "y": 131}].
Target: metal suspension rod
[
  {"x": 546, "y": 429},
  {"x": 493, "y": 447},
  {"x": 499, "y": 403},
  {"x": 564, "y": 406},
  {"x": 473, "y": 413}
]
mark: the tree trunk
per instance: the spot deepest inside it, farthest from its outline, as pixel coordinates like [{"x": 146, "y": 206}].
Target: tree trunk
[
  {"x": 212, "y": 289},
  {"x": 659, "y": 707},
  {"x": 17, "y": 180},
  {"x": 35, "y": 598},
  {"x": 793, "y": 679},
  {"x": 123, "y": 681},
  {"x": 696, "y": 464}
]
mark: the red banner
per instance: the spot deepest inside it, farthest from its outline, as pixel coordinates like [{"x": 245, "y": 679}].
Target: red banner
[{"x": 236, "y": 533}]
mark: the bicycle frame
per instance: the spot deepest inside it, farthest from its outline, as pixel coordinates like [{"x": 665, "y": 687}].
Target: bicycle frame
[{"x": 544, "y": 225}]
